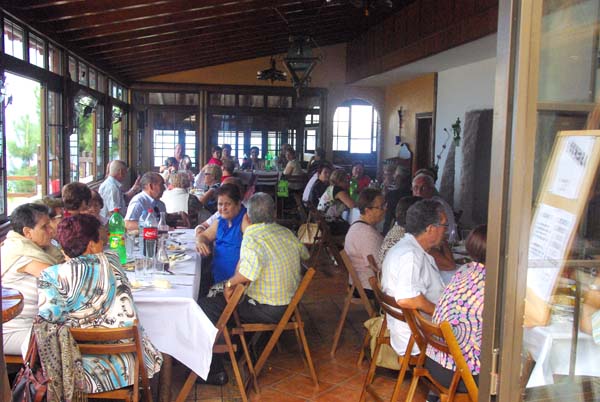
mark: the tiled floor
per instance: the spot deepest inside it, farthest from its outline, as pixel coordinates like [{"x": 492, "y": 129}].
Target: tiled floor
[{"x": 285, "y": 377}]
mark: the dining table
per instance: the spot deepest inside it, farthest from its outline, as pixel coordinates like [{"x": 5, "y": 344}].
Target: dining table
[
  {"x": 12, "y": 304},
  {"x": 169, "y": 314}
]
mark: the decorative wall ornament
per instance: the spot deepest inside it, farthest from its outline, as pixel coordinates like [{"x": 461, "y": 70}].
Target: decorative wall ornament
[{"x": 454, "y": 136}]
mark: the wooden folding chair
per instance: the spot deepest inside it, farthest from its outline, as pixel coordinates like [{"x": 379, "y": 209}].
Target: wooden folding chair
[
  {"x": 323, "y": 240},
  {"x": 351, "y": 299},
  {"x": 285, "y": 324},
  {"x": 441, "y": 337},
  {"x": 227, "y": 347},
  {"x": 389, "y": 306},
  {"x": 112, "y": 341}
]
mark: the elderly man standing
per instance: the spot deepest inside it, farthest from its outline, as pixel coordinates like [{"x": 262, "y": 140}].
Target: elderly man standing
[
  {"x": 111, "y": 189},
  {"x": 153, "y": 187},
  {"x": 270, "y": 261},
  {"x": 409, "y": 273}
]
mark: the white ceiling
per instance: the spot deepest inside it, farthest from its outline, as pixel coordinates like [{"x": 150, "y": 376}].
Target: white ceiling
[{"x": 471, "y": 52}]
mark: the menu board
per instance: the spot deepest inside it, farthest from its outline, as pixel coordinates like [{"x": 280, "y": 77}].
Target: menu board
[{"x": 563, "y": 196}]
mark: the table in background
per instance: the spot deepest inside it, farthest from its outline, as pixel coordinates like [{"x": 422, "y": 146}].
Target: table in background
[{"x": 172, "y": 319}]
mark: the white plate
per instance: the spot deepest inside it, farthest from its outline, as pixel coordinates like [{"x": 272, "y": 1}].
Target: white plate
[{"x": 180, "y": 258}]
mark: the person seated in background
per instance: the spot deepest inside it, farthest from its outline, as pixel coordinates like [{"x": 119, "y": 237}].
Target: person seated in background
[
  {"x": 24, "y": 254},
  {"x": 227, "y": 156},
  {"x": 293, "y": 167},
  {"x": 363, "y": 238},
  {"x": 424, "y": 186},
  {"x": 212, "y": 218},
  {"x": 91, "y": 290},
  {"x": 111, "y": 189},
  {"x": 95, "y": 207},
  {"x": 358, "y": 174},
  {"x": 153, "y": 187},
  {"x": 253, "y": 163},
  {"x": 320, "y": 185},
  {"x": 399, "y": 187},
  {"x": 335, "y": 200},
  {"x": 461, "y": 304},
  {"x": 409, "y": 273},
  {"x": 270, "y": 258},
  {"x": 212, "y": 181},
  {"x": 178, "y": 198},
  {"x": 225, "y": 234},
  {"x": 185, "y": 166},
  {"x": 316, "y": 161},
  {"x": 397, "y": 231},
  {"x": 227, "y": 169},
  {"x": 76, "y": 198},
  {"x": 170, "y": 168},
  {"x": 216, "y": 156},
  {"x": 282, "y": 160}
]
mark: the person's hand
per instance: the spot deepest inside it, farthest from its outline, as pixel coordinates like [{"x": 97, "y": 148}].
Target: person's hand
[
  {"x": 136, "y": 185},
  {"x": 203, "y": 248}
]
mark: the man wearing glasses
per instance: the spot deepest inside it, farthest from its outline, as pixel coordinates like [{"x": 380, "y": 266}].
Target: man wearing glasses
[{"x": 409, "y": 272}]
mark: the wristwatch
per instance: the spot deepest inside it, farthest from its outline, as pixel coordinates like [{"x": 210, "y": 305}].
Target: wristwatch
[{"x": 228, "y": 284}]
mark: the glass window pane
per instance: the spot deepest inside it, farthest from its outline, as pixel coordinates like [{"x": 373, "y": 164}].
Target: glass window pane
[
  {"x": 83, "y": 74},
  {"x": 54, "y": 139},
  {"x": 73, "y": 68},
  {"x": 222, "y": 99},
  {"x": 37, "y": 49},
  {"x": 279, "y": 101},
  {"x": 115, "y": 134},
  {"x": 256, "y": 141},
  {"x": 252, "y": 100},
  {"x": 54, "y": 59},
  {"x": 13, "y": 39},
  {"x": 92, "y": 76},
  {"x": 341, "y": 120},
  {"x": 172, "y": 128}
]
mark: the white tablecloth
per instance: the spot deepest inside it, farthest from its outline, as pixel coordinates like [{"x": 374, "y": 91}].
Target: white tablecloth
[
  {"x": 550, "y": 347},
  {"x": 172, "y": 319}
]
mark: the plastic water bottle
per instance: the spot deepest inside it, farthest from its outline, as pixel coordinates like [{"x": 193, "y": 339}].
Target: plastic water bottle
[
  {"x": 141, "y": 225},
  {"x": 116, "y": 235},
  {"x": 163, "y": 228},
  {"x": 150, "y": 234}
]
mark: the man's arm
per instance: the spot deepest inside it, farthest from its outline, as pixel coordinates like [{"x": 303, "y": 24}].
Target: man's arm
[
  {"x": 133, "y": 190},
  {"x": 232, "y": 282},
  {"x": 205, "y": 239},
  {"x": 419, "y": 302}
]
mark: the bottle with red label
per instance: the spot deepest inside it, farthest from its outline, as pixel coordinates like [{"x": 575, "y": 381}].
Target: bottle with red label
[{"x": 150, "y": 234}]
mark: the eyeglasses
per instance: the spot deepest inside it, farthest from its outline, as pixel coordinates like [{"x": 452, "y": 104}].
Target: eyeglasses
[
  {"x": 442, "y": 225},
  {"x": 382, "y": 207}
]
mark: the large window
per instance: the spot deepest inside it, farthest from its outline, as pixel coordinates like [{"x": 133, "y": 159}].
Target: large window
[
  {"x": 117, "y": 136},
  {"x": 54, "y": 141},
  {"x": 170, "y": 128},
  {"x": 355, "y": 128}
]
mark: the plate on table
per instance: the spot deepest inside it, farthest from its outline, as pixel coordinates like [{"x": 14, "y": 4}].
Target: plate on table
[
  {"x": 139, "y": 285},
  {"x": 176, "y": 233},
  {"x": 179, "y": 257},
  {"x": 175, "y": 247},
  {"x": 129, "y": 266}
]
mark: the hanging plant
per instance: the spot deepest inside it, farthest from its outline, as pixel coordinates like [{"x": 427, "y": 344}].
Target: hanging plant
[{"x": 455, "y": 136}]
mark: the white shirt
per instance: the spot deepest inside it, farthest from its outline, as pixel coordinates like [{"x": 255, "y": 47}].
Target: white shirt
[
  {"x": 112, "y": 195},
  {"x": 407, "y": 272},
  {"x": 309, "y": 186},
  {"x": 176, "y": 200}
]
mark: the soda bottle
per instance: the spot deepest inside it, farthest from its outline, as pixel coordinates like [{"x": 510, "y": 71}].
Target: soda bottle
[
  {"x": 268, "y": 160},
  {"x": 116, "y": 235},
  {"x": 163, "y": 228},
  {"x": 353, "y": 189},
  {"x": 150, "y": 233}
]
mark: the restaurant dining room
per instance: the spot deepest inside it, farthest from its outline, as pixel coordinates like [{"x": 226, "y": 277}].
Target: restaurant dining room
[{"x": 257, "y": 200}]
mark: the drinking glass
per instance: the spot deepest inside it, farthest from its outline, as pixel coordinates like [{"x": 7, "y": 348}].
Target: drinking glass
[
  {"x": 130, "y": 237},
  {"x": 141, "y": 268}
]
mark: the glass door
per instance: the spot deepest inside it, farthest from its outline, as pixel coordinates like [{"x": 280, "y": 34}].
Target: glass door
[{"x": 542, "y": 314}]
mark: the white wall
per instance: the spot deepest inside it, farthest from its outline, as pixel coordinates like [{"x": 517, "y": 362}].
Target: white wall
[{"x": 461, "y": 89}]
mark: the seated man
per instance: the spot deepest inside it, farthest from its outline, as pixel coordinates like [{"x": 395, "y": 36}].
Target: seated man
[
  {"x": 153, "y": 187},
  {"x": 270, "y": 260},
  {"x": 409, "y": 273}
]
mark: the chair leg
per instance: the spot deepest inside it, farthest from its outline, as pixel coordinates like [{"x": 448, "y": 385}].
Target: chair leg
[
  {"x": 403, "y": 368},
  {"x": 340, "y": 326},
  {"x": 309, "y": 361},
  {"x": 413, "y": 388},
  {"x": 249, "y": 363},
  {"x": 370, "y": 373},
  {"x": 236, "y": 369},
  {"x": 187, "y": 387},
  {"x": 365, "y": 344}
]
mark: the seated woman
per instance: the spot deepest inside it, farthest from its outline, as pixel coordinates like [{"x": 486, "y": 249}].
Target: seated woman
[
  {"x": 216, "y": 153},
  {"x": 95, "y": 206},
  {"x": 226, "y": 234},
  {"x": 178, "y": 197},
  {"x": 169, "y": 169},
  {"x": 185, "y": 166},
  {"x": 253, "y": 163},
  {"x": 316, "y": 161},
  {"x": 293, "y": 167},
  {"x": 91, "y": 290},
  {"x": 363, "y": 238},
  {"x": 76, "y": 198},
  {"x": 358, "y": 174},
  {"x": 320, "y": 185},
  {"x": 335, "y": 200},
  {"x": 212, "y": 181},
  {"x": 227, "y": 169},
  {"x": 25, "y": 253},
  {"x": 461, "y": 305},
  {"x": 394, "y": 235}
]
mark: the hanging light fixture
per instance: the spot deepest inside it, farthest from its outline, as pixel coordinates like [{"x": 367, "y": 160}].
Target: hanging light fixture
[
  {"x": 271, "y": 74},
  {"x": 300, "y": 61}
]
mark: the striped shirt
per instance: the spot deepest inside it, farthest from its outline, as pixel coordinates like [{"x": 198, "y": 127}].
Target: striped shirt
[{"x": 270, "y": 258}]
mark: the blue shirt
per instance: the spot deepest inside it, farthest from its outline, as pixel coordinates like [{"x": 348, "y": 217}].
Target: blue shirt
[
  {"x": 140, "y": 204},
  {"x": 227, "y": 247}
]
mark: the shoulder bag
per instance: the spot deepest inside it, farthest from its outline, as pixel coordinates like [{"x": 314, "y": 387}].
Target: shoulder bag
[{"x": 30, "y": 384}]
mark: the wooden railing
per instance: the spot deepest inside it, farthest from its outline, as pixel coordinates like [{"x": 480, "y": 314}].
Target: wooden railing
[{"x": 34, "y": 179}]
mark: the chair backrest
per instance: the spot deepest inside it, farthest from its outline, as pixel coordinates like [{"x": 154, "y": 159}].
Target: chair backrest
[
  {"x": 297, "y": 182},
  {"x": 373, "y": 263},
  {"x": 441, "y": 337},
  {"x": 386, "y": 302},
  {"x": 229, "y": 308},
  {"x": 266, "y": 179},
  {"x": 356, "y": 282},
  {"x": 111, "y": 341}
]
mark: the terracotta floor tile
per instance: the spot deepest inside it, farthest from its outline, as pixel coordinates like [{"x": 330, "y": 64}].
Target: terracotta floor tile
[
  {"x": 271, "y": 375},
  {"x": 272, "y": 395},
  {"x": 339, "y": 394},
  {"x": 302, "y": 386},
  {"x": 335, "y": 373}
]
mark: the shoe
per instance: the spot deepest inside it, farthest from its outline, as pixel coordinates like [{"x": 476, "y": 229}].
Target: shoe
[{"x": 218, "y": 378}]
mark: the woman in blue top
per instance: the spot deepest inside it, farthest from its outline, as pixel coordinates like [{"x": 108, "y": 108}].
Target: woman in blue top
[{"x": 226, "y": 233}]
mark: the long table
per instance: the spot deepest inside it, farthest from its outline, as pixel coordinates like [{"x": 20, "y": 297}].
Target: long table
[{"x": 172, "y": 319}]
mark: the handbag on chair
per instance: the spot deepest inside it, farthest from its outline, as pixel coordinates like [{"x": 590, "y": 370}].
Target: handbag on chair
[{"x": 30, "y": 384}]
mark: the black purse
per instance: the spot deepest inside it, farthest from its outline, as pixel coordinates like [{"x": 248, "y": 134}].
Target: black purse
[{"x": 30, "y": 384}]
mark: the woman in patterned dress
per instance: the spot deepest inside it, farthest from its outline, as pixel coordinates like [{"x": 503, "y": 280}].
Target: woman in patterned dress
[
  {"x": 90, "y": 290},
  {"x": 461, "y": 305}
]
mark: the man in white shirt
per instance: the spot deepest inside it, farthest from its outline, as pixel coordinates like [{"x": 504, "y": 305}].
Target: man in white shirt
[
  {"x": 153, "y": 187},
  {"x": 111, "y": 189},
  {"x": 409, "y": 273}
]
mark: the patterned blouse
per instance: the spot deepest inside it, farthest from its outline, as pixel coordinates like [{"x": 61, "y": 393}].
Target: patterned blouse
[
  {"x": 461, "y": 305},
  {"x": 92, "y": 291}
]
